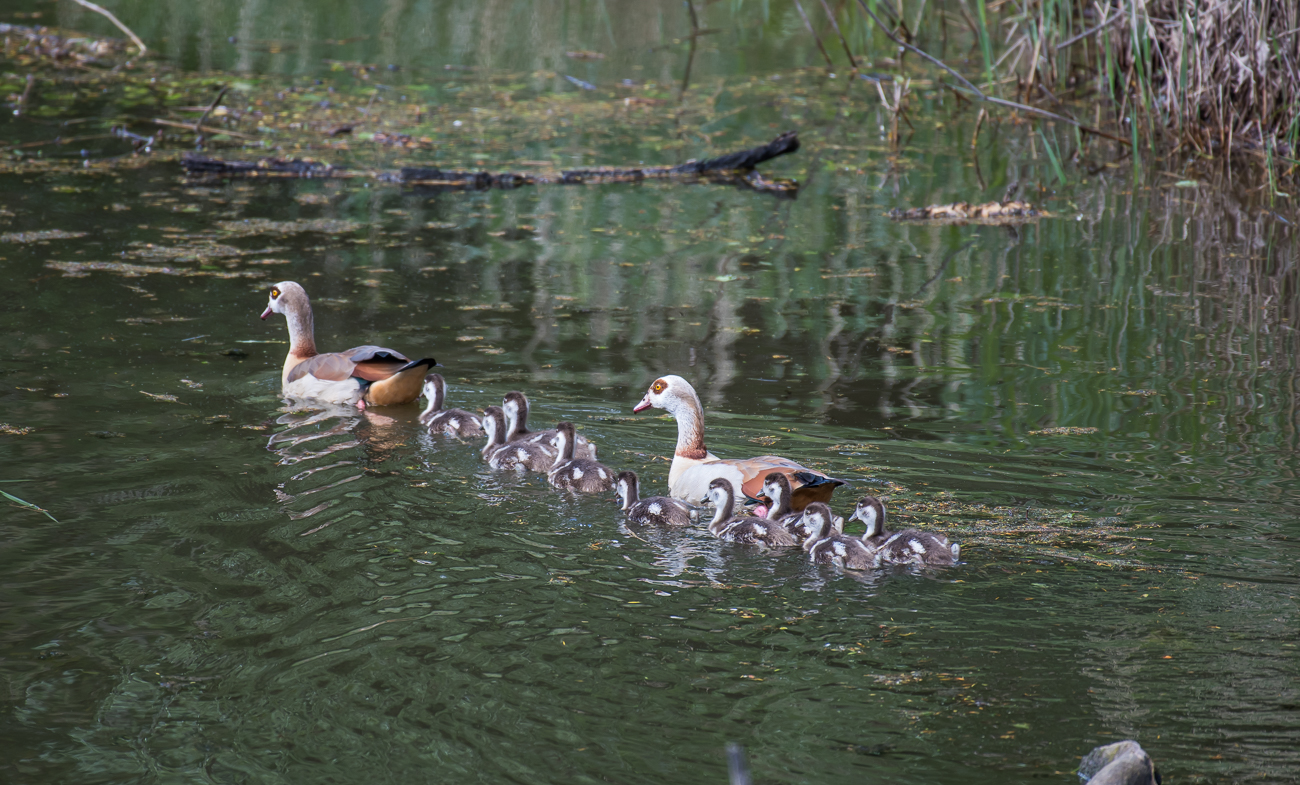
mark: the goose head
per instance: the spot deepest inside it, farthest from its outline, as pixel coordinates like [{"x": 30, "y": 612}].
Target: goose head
[
  {"x": 287, "y": 297},
  {"x": 494, "y": 425},
  {"x": 626, "y": 484},
  {"x": 672, "y": 393},
  {"x": 820, "y": 524},
  {"x": 872, "y": 513}
]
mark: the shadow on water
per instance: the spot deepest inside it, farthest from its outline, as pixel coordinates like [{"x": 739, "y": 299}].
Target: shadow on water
[{"x": 1100, "y": 406}]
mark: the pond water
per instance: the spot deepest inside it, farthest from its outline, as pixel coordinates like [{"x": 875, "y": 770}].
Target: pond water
[{"x": 231, "y": 589}]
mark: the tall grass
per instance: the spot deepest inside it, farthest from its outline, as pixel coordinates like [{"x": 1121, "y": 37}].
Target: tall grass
[{"x": 1211, "y": 76}]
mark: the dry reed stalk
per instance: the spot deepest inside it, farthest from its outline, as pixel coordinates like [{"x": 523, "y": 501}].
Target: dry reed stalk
[
  {"x": 901, "y": 92},
  {"x": 104, "y": 12},
  {"x": 1208, "y": 75}
]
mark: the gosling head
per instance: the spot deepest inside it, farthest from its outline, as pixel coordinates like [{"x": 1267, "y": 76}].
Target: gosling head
[
  {"x": 818, "y": 522},
  {"x": 776, "y": 486},
  {"x": 872, "y": 514},
  {"x": 721, "y": 494},
  {"x": 626, "y": 485}
]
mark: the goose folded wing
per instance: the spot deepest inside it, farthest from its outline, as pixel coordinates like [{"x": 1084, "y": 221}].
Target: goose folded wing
[
  {"x": 375, "y": 363},
  {"x": 755, "y": 470},
  {"x": 332, "y": 367},
  {"x": 800, "y": 477}
]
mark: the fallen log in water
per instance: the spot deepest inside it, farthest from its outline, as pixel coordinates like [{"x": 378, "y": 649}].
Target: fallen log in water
[
  {"x": 994, "y": 213},
  {"x": 735, "y": 169}
]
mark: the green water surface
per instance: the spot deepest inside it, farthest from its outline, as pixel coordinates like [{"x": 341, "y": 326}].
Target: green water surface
[{"x": 235, "y": 590}]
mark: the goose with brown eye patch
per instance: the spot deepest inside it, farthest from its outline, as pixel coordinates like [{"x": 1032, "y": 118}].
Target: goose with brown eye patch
[
  {"x": 910, "y": 546},
  {"x": 694, "y": 467},
  {"x": 654, "y": 511},
  {"x": 577, "y": 474},
  {"x": 452, "y": 422},
  {"x": 363, "y": 375}
]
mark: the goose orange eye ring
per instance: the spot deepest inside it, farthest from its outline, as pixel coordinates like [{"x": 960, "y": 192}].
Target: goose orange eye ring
[
  {"x": 658, "y": 387},
  {"x": 275, "y": 294}
]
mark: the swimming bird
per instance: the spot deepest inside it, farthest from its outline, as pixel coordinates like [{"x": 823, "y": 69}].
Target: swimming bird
[
  {"x": 520, "y": 457},
  {"x": 776, "y": 493},
  {"x": 452, "y": 422},
  {"x": 654, "y": 511},
  {"x": 359, "y": 376},
  {"x": 909, "y": 546},
  {"x": 742, "y": 528},
  {"x": 579, "y": 475},
  {"x": 694, "y": 467},
  {"x": 515, "y": 405},
  {"x": 827, "y": 546}
]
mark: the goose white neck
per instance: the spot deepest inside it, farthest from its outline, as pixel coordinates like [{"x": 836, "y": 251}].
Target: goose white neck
[
  {"x": 516, "y": 420},
  {"x": 780, "y": 504},
  {"x": 435, "y": 394},
  {"x": 689, "y": 414},
  {"x": 492, "y": 427},
  {"x": 725, "y": 501},
  {"x": 302, "y": 330},
  {"x": 564, "y": 446},
  {"x": 627, "y": 491}
]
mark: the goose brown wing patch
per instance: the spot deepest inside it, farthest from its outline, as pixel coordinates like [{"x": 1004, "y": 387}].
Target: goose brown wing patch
[
  {"x": 753, "y": 485},
  {"x": 331, "y": 367}
]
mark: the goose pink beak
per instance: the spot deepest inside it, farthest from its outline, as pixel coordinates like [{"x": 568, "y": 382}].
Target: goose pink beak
[
  {"x": 645, "y": 404},
  {"x": 267, "y": 312}
]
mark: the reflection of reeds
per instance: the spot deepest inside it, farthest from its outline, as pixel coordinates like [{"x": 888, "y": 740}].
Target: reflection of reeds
[{"x": 895, "y": 107}]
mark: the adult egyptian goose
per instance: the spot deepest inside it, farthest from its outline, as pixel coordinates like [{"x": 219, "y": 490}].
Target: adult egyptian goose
[
  {"x": 520, "y": 457},
  {"x": 579, "y": 475},
  {"x": 359, "y": 376},
  {"x": 726, "y": 525},
  {"x": 827, "y": 546},
  {"x": 694, "y": 467},
  {"x": 452, "y": 422},
  {"x": 654, "y": 511},
  {"x": 906, "y": 547},
  {"x": 515, "y": 406}
]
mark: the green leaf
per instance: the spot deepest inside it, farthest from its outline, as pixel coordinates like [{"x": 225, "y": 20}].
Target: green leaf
[{"x": 28, "y": 505}]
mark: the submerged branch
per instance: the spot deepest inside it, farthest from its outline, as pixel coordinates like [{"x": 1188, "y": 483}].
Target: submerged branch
[{"x": 735, "y": 168}]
